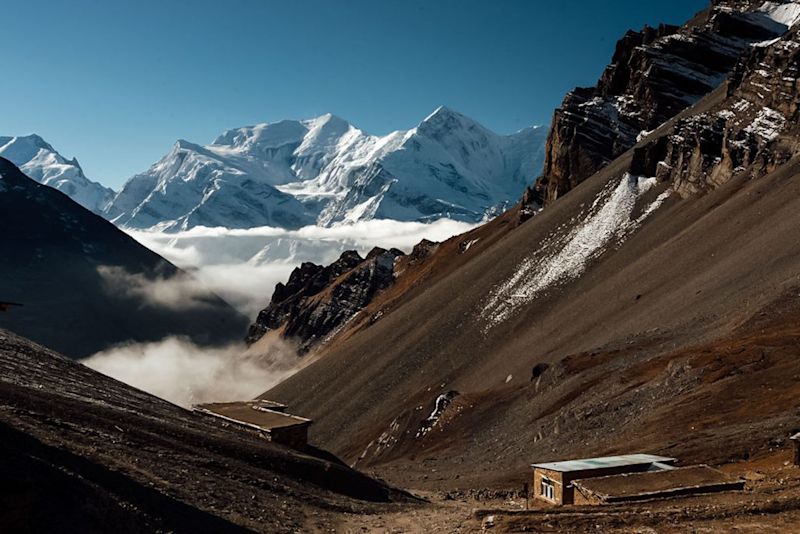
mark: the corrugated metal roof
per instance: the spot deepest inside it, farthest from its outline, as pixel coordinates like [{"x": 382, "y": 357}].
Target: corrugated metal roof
[{"x": 605, "y": 462}]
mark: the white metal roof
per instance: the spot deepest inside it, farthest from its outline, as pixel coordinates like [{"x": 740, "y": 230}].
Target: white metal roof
[{"x": 605, "y": 462}]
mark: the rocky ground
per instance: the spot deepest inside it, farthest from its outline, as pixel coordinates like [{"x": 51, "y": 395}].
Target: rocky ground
[
  {"x": 84, "y": 453},
  {"x": 769, "y": 503}
]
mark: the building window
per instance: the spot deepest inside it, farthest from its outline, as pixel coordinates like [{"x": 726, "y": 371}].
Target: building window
[{"x": 548, "y": 489}]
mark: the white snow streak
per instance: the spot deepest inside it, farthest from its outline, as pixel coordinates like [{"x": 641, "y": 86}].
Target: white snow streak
[
  {"x": 563, "y": 258},
  {"x": 784, "y": 13}
]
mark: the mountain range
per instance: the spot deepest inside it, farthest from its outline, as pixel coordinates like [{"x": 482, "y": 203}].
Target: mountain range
[
  {"x": 324, "y": 170},
  {"x": 641, "y": 297},
  {"x": 291, "y": 174}
]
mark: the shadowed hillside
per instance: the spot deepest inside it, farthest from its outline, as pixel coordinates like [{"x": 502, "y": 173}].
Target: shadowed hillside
[
  {"x": 80, "y": 449},
  {"x": 86, "y": 285}
]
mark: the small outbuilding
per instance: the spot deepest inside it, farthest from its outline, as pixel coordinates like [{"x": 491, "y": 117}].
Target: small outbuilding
[
  {"x": 553, "y": 481},
  {"x": 266, "y": 418}
]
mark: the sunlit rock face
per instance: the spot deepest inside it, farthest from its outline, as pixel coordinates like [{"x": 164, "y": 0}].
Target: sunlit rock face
[{"x": 654, "y": 74}]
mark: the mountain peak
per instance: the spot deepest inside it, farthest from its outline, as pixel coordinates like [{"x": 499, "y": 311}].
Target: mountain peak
[
  {"x": 40, "y": 161},
  {"x": 328, "y": 121},
  {"x": 446, "y": 123},
  {"x": 23, "y": 147},
  {"x": 328, "y": 118},
  {"x": 183, "y": 144},
  {"x": 442, "y": 113},
  {"x": 33, "y": 139}
]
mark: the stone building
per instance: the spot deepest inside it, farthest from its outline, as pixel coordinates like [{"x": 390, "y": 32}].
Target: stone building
[
  {"x": 629, "y": 478},
  {"x": 265, "y": 418},
  {"x": 553, "y": 481}
]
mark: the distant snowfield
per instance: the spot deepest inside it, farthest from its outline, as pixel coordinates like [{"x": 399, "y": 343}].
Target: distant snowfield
[{"x": 243, "y": 265}]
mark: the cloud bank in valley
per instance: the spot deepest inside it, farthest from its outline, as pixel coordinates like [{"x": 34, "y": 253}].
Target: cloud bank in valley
[
  {"x": 179, "y": 371},
  {"x": 180, "y": 292},
  {"x": 243, "y": 265}
]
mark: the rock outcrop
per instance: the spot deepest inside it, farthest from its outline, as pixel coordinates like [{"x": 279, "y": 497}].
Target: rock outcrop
[
  {"x": 655, "y": 74},
  {"x": 746, "y": 134},
  {"x": 317, "y": 301}
]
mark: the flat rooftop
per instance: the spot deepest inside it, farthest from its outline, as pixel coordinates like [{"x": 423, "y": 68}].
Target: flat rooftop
[
  {"x": 252, "y": 413},
  {"x": 605, "y": 462},
  {"x": 630, "y": 486}
]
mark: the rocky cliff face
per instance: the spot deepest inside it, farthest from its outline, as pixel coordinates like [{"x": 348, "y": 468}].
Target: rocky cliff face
[
  {"x": 317, "y": 301},
  {"x": 654, "y": 74},
  {"x": 750, "y": 133}
]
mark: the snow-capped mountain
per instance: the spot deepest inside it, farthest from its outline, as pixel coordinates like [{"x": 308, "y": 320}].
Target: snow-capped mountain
[
  {"x": 40, "y": 161},
  {"x": 325, "y": 170},
  {"x": 205, "y": 186}
]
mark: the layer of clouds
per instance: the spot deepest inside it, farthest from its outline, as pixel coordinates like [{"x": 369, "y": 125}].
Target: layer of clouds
[
  {"x": 179, "y": 371},
  {"x": 243, "y": 265},
  {"x": 179, "y": 292}
]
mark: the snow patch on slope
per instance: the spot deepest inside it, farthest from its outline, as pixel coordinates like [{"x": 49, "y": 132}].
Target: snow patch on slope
[
  {"x": 564, "y": 258},
  {"x": 786, "y": 13},
  {"x": 768, "y": 124}
]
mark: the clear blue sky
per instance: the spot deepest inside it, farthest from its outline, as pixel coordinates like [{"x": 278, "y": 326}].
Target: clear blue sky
[{"x": 115, "y": 83}]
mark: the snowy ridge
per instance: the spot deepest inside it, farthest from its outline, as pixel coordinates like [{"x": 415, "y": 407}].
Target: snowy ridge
[
  {"x": 40, "y": 161},
  {"x": 563, "y": 258},
  {"x": 325, "y": 170}
]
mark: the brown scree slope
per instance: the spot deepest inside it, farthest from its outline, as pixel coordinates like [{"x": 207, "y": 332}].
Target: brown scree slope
[{"x": 680, "y": 339}]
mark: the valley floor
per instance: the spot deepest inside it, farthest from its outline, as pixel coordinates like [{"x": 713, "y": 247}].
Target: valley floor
[{"x": 770, "y": 503}]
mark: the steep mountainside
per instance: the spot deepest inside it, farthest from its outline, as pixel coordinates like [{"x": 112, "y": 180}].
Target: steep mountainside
[
  {"x": 324, "y": 170},
  {"x": 653, "y": 309},
  {"x": 37, "y": 159},
  {"x": 80, "y": 452},
  {"x": 85, "y": 285},
  {"x": 654, "y": 74}
]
